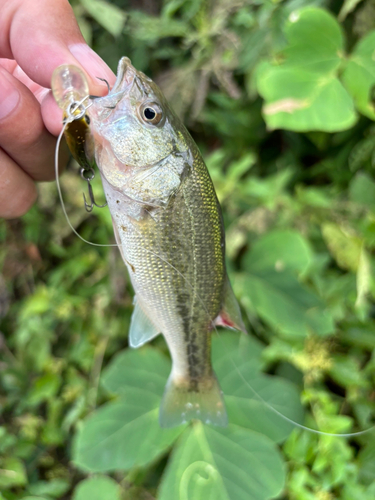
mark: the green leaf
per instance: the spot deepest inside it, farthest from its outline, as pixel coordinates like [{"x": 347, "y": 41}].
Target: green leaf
[
  {"x": 344, "y": 246},
  {"x": 107, "y": 15},
  {"x": 12, "y": 473},
  {"x": 366, "y": 459},
  {"x": 126, "y": 433},
  {"x": 362, "y": 190},
  {"x": 97, "y": 488},
  {"x": 268, "y": 190},
  {"x": 223, "y": 464},
  {"x": 145, "y": 369},
  {"x": 284, "y": 303},
  {"x": 55, "y": 488},
  {"x": 44, "y": 388},
  {"x": 302, "y": 91},
  {"x": 315, "y": 40},
  {"x": 359, "y": 75},
  {"x": 280, "y": 250},
  {"x": 254, "y": 401},
  {"x": 364, "y": 279}
]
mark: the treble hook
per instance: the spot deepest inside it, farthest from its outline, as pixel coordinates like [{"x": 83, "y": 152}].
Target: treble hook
[{"x": 89, "y": 206}]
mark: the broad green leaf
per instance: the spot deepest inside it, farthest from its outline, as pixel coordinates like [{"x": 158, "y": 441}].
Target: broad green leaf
[
  {"x": 283, "y": 302},
  {"x": 280, "y": 250},
  {"x": 315, "y": 40},
  {"x": 97, "y": 488},
  {"x": 123, "y": 434},
  {"x": 223, "y": 464},
  {"x": 302, "y": 91},
  {"x": 126, "y": 433},
  {"x": 322, "y": 103},
  {"x": 145, "y": 369},
  {"x": 359, "y": 75},
  {"x": 254, "y": 401},
  {"x": 107, "y": 15}
]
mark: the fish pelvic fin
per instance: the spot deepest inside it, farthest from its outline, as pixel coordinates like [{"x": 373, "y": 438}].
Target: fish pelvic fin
[
  {"x": 185, "y": 400},
  {"x": 230, "y": 314},
  {"x": 142, "y": 330}
]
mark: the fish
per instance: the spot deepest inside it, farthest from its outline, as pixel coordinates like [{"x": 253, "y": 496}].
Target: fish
[{"x": 169, "y": 229}]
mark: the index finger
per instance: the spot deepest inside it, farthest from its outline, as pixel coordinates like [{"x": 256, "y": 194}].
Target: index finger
[{"x": 43, "y": 35}]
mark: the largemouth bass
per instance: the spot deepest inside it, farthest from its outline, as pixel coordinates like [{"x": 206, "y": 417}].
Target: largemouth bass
[{"x": 168, "y": 225}]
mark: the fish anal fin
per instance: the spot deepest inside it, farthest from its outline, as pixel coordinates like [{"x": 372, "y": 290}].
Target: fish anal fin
[
  {"x": 142, "y": 329},
  {"x": 180, "y": 403},
  {"x": 230, "y": 314}
]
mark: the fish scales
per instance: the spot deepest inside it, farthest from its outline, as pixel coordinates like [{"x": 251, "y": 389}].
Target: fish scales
[
  {"x": 168, "y": 224},
  {"x": 174, "y": 270}
]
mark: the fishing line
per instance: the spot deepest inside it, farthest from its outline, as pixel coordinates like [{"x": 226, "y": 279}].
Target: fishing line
[
  {"x": 61, "y": 196},
  {"x": 256, "y": 394}
]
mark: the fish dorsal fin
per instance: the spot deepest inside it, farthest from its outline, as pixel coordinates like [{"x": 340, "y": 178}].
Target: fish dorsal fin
[
  {"x": 142, "y": 330},
  {"x": 230, "y": 314}
]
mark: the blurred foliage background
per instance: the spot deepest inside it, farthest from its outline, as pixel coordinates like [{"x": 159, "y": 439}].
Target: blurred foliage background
[{"x": 279, "y": 97}]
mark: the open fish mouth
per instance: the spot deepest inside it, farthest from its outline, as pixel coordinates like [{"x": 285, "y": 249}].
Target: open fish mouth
[
  {"x": 125, "y": 76},
  {"x": 122, "y": 87}
]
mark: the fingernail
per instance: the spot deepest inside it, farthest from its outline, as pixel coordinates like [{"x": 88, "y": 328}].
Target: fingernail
[
  {"x": 92, "y": 63},
  {"x": 9, "y": 96}
]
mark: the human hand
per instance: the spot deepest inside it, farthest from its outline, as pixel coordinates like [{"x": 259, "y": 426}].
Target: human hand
[{"x": 35, "y": 38}]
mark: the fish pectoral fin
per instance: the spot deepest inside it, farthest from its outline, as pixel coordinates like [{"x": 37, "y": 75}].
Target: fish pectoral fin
[
  {"x": 230, "y": 314},
  {"x": 142, "y": 330},
  {"x": 205, "y": 402},
  {"x": 156, "y": 185}
]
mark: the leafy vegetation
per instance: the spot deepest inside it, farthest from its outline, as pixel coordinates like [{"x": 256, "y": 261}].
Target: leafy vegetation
[{"x": 279, "y": 97}]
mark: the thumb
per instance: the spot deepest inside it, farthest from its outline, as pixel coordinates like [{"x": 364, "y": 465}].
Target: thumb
[{"x": 38, "y": 51}]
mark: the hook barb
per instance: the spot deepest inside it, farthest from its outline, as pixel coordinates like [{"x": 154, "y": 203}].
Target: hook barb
[{"x": 90, "y": 206}]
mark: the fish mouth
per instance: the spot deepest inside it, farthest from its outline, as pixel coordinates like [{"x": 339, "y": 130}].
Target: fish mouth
[{"x": 125, "y": 76}]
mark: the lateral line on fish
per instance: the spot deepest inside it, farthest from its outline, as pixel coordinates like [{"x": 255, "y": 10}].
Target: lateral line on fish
[
  {"x": 188, "y": 332},
  {"x": 274, "y": 410}
]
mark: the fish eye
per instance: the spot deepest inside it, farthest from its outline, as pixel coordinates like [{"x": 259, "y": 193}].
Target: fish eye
[{"x": 151, "y": 113}]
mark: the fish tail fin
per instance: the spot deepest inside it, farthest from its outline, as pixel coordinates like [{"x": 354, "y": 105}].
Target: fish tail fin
[{"x": 201, "y": 399}]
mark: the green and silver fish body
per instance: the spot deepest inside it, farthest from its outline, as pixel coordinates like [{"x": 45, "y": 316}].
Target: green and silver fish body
[{"x": 168, "y": 224}]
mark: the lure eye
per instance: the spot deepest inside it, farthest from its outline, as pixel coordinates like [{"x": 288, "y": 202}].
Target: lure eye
[{"x": 151, "y": 113}]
